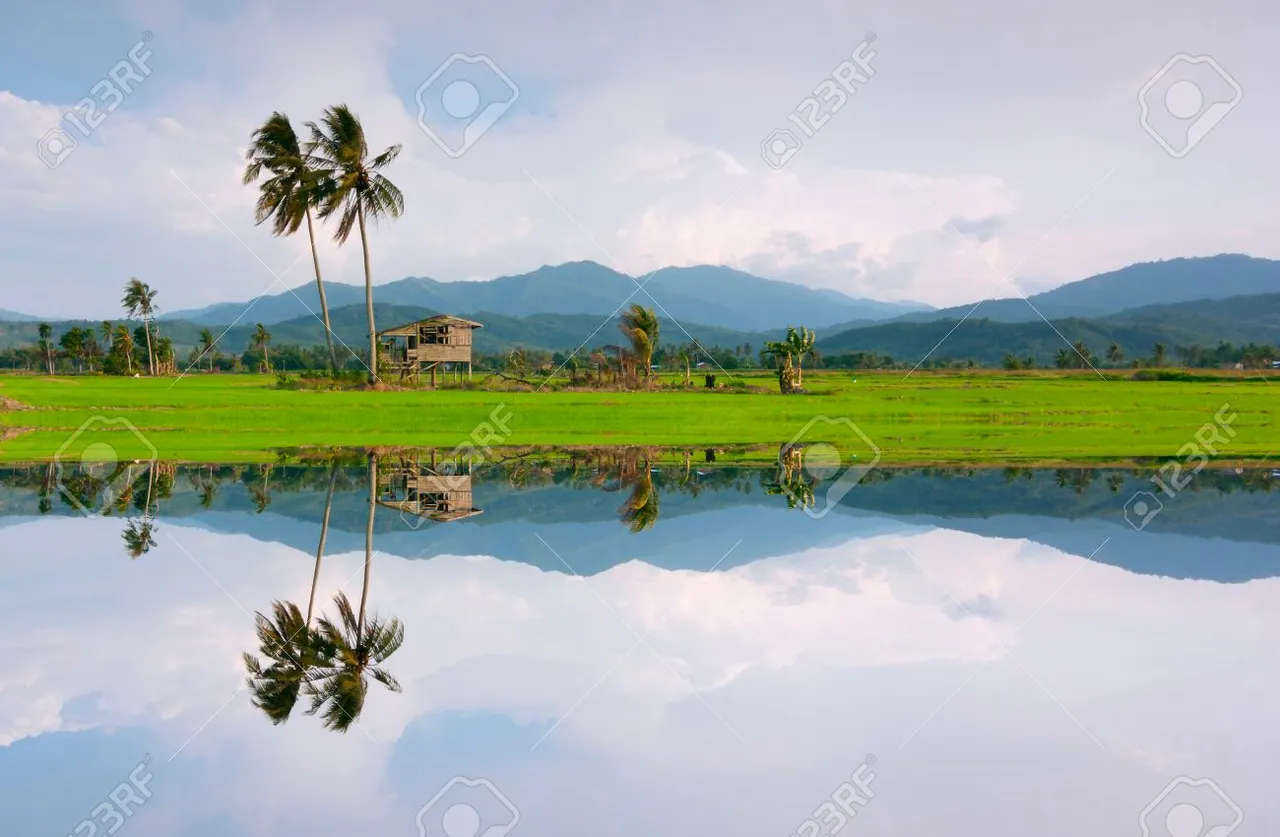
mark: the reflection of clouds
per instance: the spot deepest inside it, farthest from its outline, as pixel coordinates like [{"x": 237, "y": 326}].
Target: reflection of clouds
[{"x": 803, "y": 655}]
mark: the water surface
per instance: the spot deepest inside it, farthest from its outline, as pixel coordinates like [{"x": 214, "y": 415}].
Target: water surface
[{"x": 624, "y": 646}]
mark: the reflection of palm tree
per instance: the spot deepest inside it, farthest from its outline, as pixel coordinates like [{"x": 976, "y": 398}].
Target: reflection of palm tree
[
  {"x": 359, "y": 646},
  {"x": 640, "y": 512},
  {"x": 292, "y": 651},
  {"x": 138, "y": 538},
  {"x": 288, "y": 642},
  {"x": 790, "y": 480},
  {"x": 355, "y": 645}
]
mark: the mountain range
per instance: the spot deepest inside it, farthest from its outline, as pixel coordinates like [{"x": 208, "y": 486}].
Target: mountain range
[
  {"x": 716, "y": 296},
  {"x": 1182, "y": 302}
]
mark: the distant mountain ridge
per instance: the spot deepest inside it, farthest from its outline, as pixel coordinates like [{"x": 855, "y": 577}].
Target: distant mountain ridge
[
  {"x": 713, "y": 296},
  {"x": 1142, "y": 284}
]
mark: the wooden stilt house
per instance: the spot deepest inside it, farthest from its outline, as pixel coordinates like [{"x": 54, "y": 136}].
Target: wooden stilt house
[
  {"x": 437, "y": 344},
  {"x": 429, "y": 490}
]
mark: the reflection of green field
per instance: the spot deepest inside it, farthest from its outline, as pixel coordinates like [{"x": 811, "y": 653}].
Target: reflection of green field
[{"x": 928, "y": 417}]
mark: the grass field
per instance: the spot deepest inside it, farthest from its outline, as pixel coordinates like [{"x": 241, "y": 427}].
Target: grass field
[{"x": 926, "y": 418}]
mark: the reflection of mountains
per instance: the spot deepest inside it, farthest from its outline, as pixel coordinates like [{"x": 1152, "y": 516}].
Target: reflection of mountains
[{"x": 1215, "y": 529}]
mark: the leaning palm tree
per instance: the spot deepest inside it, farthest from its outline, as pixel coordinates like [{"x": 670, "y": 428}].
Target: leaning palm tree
[
  {"x": 354, "y": 190},
  {"x": 642, "y": 508},
  {"x": 140, "y": 300},
  {"x": 287, "y": 196},
  {"x": 640, "y": 325},
  {"x": 260, "y": 340}
]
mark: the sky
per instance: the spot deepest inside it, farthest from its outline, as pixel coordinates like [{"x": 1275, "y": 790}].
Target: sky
[{"x": 986, "y": 150}]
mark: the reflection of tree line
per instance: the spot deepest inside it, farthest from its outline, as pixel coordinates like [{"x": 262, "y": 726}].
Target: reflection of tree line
[{"x": 140, "y": 490}]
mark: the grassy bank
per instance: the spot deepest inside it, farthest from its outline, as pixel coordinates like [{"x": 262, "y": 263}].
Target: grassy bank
[{"x": 927, "y": 418}]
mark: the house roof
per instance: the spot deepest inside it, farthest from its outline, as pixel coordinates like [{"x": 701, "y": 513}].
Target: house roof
[{"x": 448, "y": 319}]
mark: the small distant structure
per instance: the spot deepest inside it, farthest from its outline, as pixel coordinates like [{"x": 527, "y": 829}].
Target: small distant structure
[
  {"x": 428, "y": 491},
  {"x": 440, "y": 343}
]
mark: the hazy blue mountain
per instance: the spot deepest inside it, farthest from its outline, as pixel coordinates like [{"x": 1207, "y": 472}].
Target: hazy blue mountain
[
  {"x": 1202, "y": 322},
  {"x": 1147, "y": 283},
  {"x": 16, "y": 317},
  {"x": 712, "y": 296}
]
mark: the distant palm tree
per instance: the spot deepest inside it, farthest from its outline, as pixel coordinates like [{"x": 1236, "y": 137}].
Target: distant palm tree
[
  {"x": 46, "y": 345},
  {"x": 1115, "y": 354},
  {"x": 140, "y": 300},
  {"x": 1158, "y": 355},
  {"x": 260, "y": 340},
  {"x": 208, "y": 346},
  {"x": 1083, "y": 355},
  {"x": 288, "y": 195},
  {"x": 640, "y": 325},
  {"x": 791, "y": 353},
  {"x": 123, "y": 342},
  {"x": 355, "y": 190}
]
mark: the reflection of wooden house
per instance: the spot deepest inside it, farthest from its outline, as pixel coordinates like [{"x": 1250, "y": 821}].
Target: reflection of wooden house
[
  {"x": 441, "y": 342},
  {"x": 435, "y": 493}
]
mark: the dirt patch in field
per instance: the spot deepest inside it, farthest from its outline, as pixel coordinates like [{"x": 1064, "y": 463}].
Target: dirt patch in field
[
  {"x": 10, "y": 404},
  {"x": 10, "y": 433}
]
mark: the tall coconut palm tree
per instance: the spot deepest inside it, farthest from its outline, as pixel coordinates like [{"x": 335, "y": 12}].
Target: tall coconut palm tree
[
  {"x": 140, "y": 300},
  {"x": 260, "y": 340},
  {"x": 1158, "y": 354},
  {"x": 288, "y": 194},
  {"x": 1115, "y": 354},
  {"x": 640, "y": 325},
  {"x": 355, "y": 191}
]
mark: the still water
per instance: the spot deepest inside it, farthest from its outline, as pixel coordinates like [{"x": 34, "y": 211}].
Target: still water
[{"x": 608, "y": 644}]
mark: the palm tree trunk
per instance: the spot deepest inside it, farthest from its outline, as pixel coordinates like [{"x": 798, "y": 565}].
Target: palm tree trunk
[
  {"x": 324, "y": 303},
  {"x": 368, "y": 539},
  {"x": 373, "y": 331},
  {"x": 151, "y": 356},
  {"x": 324, "y": 534}
]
